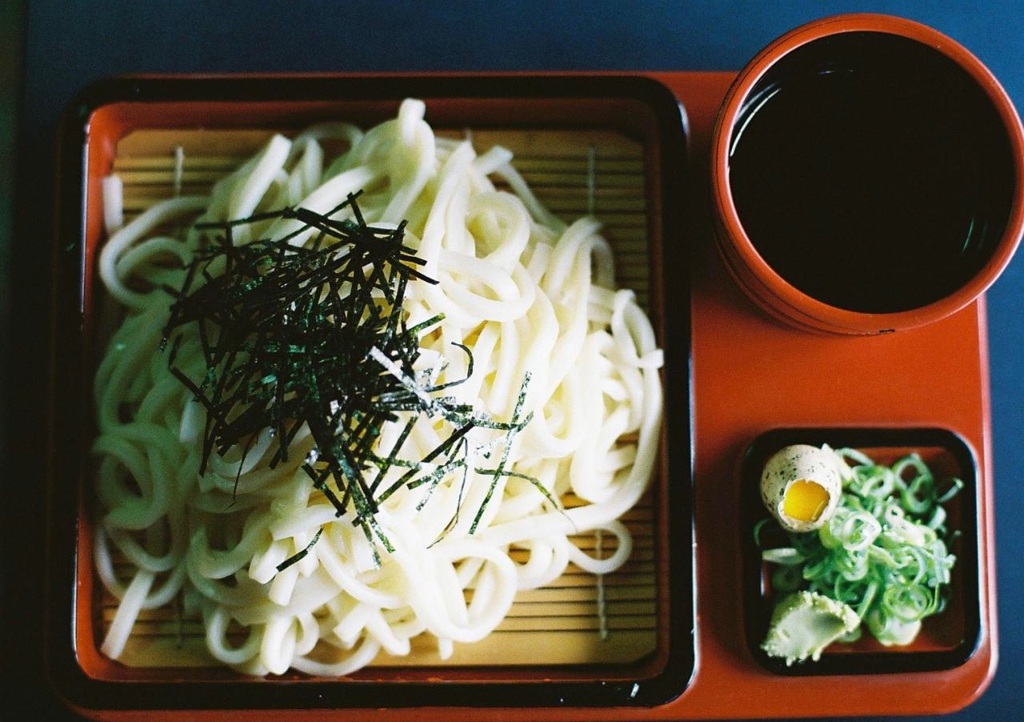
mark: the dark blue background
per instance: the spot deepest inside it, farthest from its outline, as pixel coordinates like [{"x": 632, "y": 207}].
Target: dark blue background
[{"x": 68, "y": 44}]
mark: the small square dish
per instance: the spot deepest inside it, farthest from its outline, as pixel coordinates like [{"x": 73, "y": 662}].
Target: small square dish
[
  {"x": 613, "y": 147},
  {"x": 950, "y": 632}
]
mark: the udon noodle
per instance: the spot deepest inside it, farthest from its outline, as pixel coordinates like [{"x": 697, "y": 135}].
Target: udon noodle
[{"x": 531, "y": 297}]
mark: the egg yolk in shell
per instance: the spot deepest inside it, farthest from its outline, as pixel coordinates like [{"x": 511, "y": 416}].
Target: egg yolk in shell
[{"x": 805, "y": 500}]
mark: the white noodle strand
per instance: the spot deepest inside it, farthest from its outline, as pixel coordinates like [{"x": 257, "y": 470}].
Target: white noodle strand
[{"x": 281, "y": 580}]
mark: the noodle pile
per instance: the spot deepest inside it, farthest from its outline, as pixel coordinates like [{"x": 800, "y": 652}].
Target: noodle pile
[{"x": 531, "y": 298}]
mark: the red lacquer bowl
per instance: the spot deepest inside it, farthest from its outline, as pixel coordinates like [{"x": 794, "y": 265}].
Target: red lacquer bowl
[{"x": 790, "y": 272}]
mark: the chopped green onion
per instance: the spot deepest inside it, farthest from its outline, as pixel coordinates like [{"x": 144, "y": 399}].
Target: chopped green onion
[{"x": 884, "y": 552}]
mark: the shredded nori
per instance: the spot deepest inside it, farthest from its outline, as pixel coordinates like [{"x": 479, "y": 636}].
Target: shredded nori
[{"x": 315, "y": 334}]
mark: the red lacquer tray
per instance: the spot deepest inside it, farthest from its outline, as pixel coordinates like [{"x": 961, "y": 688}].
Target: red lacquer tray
[{"x": 751, "y": 376}]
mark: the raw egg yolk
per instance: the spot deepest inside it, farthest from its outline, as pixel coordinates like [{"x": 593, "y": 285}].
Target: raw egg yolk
[{"x": 805, "y": 500}]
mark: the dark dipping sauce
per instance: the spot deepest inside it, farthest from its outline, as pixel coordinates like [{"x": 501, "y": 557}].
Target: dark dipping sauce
[{"x": 871, "y": 172}]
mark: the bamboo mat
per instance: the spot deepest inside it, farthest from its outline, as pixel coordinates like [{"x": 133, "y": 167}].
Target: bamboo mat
[{"x": 579, "y": 618}]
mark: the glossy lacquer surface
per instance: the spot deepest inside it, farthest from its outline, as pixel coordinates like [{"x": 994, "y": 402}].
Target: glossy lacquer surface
[
  {"x": 751, "y": 377},
  {"x": 113, "y": 110}
]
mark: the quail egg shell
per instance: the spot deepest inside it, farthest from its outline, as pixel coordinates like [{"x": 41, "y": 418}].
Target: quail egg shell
[{"x": 801, "y": 486}]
